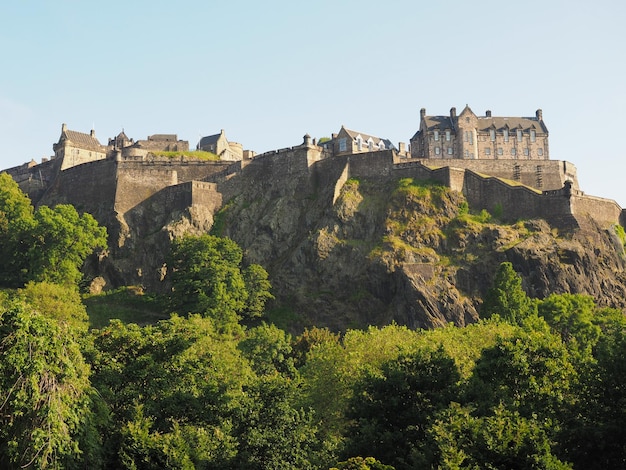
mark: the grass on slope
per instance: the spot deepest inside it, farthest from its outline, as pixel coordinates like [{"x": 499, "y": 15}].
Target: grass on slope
[{"x": 127, "y": 304}]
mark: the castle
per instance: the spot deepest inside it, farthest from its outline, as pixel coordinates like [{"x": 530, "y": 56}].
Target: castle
[{"x": 499, "y": 163}]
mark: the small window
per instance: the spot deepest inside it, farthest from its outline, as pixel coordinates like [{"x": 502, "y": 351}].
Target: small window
[
  {"x": 359, "y": 143},
  {"x": 343, "y": 146},
  {"x": 381, "y": 145},
  {"x": 436, "y": 135},
  {"x": 519, "y": 135},
  {"x": 450, "y": 150},
  {"x": 448, "y": 136},
  {"x": 487, "y": 151},
  {"x": 513, "y": 151},
  {"x": 492, "y": 135},
  {"x": 437, "y": 150},
  {"x": 526, "y": 151},
  {"x": 500, "y": 151},
  {"x": 465, "y": 136},
  {"x": 533, "y": 135},
  {"x": 370, "y": 145},
  {"x": 540, "y": 152},
  {"x": 506, "y": 135}
]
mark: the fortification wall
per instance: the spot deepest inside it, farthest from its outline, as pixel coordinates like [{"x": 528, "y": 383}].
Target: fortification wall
[
  {"x": 90, "y": 187},
  {"x": 371, "y": 164},
  {"x": 605, "y": 212},
  {"x": 540, "y": 174}
]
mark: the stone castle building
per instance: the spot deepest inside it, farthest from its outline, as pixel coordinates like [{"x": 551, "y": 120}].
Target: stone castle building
[
  {"x": 220, "y": 146},
  {"x": 347, "y": 142},
  {"x": 468, "y": 136},
  {"x": 74, "y": 148}
]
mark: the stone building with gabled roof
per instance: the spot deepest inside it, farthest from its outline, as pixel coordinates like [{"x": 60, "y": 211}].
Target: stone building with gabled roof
[
  {"x": 74, "y": 148},
  {"x": 468, "y": 136},
  {"x": 347, "y": 141},
  {"x": 220, "y": 146}
]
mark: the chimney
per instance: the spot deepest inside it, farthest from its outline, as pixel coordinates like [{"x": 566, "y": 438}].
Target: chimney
[
  {"x": 401, "y": 148},
  {"x": 539, "y": 115},
  {"x": 453, "y": 114},
  {"x": 422, "y": 113},
  {"x": 307, "y": 140},
  {"x": 64, "y": 127},
  {"x": 334, "y": 136},
  {"x": 93, "y": 133},
  {"x": 488, "y": 113}
]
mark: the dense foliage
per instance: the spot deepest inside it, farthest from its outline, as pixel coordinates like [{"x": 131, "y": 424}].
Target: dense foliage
[{"x": 535, "y": 384}]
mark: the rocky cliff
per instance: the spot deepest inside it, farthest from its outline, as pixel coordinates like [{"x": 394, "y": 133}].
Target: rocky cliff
[
  {"x": 409, "y": 252},
  {"x": 373, "y": 249}
]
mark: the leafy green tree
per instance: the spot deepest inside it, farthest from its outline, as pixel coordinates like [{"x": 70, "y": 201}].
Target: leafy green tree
[
  {"x": 61, "y": 241},
  {"x": 179, "y": 372},
  {"x": 308, "y": 340},
  {"x": 530, "y": 373},
  {"x": 272, "y": 433},
  {"x": 572, "y": 317},
  {"x": 207, "y": 278},
  {"x": 503, "y": 440},
  {"x": 43, "y": 245},
  {"x": 393, "y": 410},
  {"x": 360, "y": 463},
  {"x": 61, "y": 302},
  {"x": 506, "y": 297},
  {"x": 16, "y": 220},
  {"x": 268, "y": 348},
  {"x": 45, "y": 394}
]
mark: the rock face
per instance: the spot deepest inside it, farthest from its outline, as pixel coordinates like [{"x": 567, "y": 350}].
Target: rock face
[
  {"x": 341, "y": 253},
  {"x": 408, "y": 252}
]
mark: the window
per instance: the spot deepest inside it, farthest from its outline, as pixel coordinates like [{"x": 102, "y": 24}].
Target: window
[
  {"x": 448, "y": 136},
  {"x": 381, "y": 145},
  {"x": 343, "y": 145},
  {"x": 487, "y": 151},
  {"x": 465, "y": 136},
  {"x": 492, "y": 135},
  {"x": 436, "y": 135},
  {"x": 533, "y": 135},
  {"x": 437, "y": 150},
  {"x": 526, "y": 152},
  {"x": 500, "y": 151},
  {"x": 540, "y": 152},
  {"x": 359, "y": 143},
  {"x": 467, "y": 154},
  {"x": 519, "y": 135},
  {"x": 513, "y": 151},
  {"x": 370, "y": 145},
  {"x": 506, "y": 135},
  {"x": 450, "y": 151}
]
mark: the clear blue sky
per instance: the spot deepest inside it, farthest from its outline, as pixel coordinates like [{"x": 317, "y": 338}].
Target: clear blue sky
[{"x": 269, "y": 72}]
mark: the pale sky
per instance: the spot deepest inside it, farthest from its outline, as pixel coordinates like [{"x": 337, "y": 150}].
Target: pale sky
[{"x": 270, "y": 72}]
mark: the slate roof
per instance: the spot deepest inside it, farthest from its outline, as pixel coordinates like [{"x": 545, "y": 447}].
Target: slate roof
[
  {"x": 208, "y": 140},
  {"x": 485, "y": 123},
  {"x": 81, "y": 140},
  {"x": 366, "y": 137}
]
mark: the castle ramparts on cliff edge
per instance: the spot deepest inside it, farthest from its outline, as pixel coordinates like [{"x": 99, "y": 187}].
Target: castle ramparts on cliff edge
[{"x": 499, "y": 163}]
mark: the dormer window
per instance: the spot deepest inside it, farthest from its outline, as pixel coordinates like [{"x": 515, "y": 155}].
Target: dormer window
[
  {"x": 448, "y": 136},
  {"x": 533, "y": 135},
  {"x": 492, "y": 135},
  {"x": 381, "y": 145},
  {"x": 506, "y": 135},
  {"x": 370, "y": 145},
  {"x": 519, "y": 135},
  {"x": 359, "y": 143},
  {"x": 436, "y": 135}
]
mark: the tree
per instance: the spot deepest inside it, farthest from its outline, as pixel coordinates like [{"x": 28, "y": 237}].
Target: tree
[
  {"x": 61, "y": 241},
  {"x": 393, "y": 410},
  {"x": 207, "y": 278},
  {"x": 504, "y": 440},
  {"x": 43, "y": 245},
  {"x": 44, "y": 392},
  {"x": 506, "y": 297},
  {"x": 268, "y": 349},
  {"x": 16, "y": 220}
]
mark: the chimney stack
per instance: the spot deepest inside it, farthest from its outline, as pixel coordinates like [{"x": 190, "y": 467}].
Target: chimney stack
[
  {"x": 488, "y": 113},
  {"x": 539, "y": 114},
  {"x": 422, "y": 113},
  {"x": 453, "y": 114}
]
